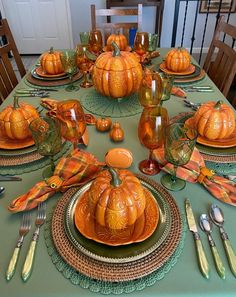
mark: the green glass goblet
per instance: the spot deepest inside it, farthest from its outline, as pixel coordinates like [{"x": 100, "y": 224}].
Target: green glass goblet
[
  {"x": 179, "y": 144},
  {"x": 69, "y": 64},
  {"x": 46, "y": 133}
]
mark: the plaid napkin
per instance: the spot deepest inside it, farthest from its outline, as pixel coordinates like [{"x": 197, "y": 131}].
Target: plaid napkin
[
  {"x": 195, "y": 171},
  {"x": 73, "y": 170}
]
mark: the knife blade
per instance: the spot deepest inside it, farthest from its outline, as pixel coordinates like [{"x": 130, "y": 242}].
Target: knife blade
[
  {"x": 10, "y": 178},
  {"x": 202, "y": 260}
]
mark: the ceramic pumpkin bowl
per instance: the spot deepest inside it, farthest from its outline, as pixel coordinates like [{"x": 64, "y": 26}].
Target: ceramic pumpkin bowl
[
  {"x": 215, "y": 123},
  {"x": 178, "y": 60},
  {"x": 119, "y": 210},
  {"x": 117, "y": 74},
  {"x": 14, "y": 125},
  {"x": 51, "y": 62}
]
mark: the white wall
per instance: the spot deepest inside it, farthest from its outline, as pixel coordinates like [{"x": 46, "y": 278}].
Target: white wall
[{"x": 80, "y": 14}]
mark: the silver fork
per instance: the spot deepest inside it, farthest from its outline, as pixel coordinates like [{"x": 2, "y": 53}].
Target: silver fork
[
  {"x": 24, "y": 229},
  {"x": 40, "y": 219}
]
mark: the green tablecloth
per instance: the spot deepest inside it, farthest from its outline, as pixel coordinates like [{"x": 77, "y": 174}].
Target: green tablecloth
[{"x": 183, "y": 280}]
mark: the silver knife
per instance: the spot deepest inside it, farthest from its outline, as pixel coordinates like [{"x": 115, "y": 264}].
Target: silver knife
[
  {"x": 202, "y": 260},
  {"x": 10, "y": 178}
]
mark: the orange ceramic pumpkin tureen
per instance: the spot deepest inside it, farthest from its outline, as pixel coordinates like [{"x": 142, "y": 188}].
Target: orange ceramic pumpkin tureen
[
  {"x": 117, "y": 74},
  {"x": 14, "y": 125},
  {"x": 116, "y": 209}
]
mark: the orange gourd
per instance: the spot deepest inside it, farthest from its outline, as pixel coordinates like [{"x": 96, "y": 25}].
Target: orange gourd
[
  {"x": 178, "y": 60},
  {"x": 116, "y": 199},
  {"x": 15, "y": 120},
  {"x": 103, "y": 124},
  {"x": 214, "y": 120},
  {"x": 119, "y": 39},
  {"x": 117, "y": 74},
  {"x": 116, "y": 133},
  {"x": 51, "y": 62}
]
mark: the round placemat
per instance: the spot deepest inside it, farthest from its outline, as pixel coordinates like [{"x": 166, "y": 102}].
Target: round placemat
[
  {"x": 110, "y": 107},
  {"x": 105, "y": 287},
  {"x": 52, "y": 83},
  {"x": 29, "y": 161},
  {"x": 116, "y": 272},
  {"x": 221, "y": 160}
]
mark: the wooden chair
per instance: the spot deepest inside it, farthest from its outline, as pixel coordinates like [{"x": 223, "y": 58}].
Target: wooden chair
[
  {"x": 110, "y": 28},
  {"x": 8, "y": 79},
  {"x": 221, "y": 65}
]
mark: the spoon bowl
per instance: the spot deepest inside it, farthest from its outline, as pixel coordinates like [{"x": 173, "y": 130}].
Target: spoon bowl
[
  {"x": 205, "y": 223},
  {"x": 2, "y": 189},
  {"x": 217, "y": 216}
]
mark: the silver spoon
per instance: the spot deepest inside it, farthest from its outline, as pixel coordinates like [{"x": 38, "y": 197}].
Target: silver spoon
[
  {"x": 206, "y": 226},
  {"x": 217, "y": 217},
  {"x": 2, "y": 189}
]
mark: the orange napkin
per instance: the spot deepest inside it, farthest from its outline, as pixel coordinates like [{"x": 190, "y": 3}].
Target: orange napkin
[
  {"x": 73, "y": 170},
  {"x": 195, "y": 171}
]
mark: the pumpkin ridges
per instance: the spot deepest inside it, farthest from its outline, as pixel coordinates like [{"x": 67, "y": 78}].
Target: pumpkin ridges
[
  {"x": 215, "y": 120},
  {"x": 116, "y": 206}
]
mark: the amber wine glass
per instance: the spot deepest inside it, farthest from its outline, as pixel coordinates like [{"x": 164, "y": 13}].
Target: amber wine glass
[
  {"x": 151, "y": 134},
  {"x": 68, "y": 60},
  {"x": 47, "y": 137},
  {"x": 85, "y": 64},
  {"x": 72, "y": 120},
  {"x": 141, "y": 43},
  {"x": 95, "y": 42},
  {"x": 151, "y": 88},
  {"x": 179, "y": 144}
]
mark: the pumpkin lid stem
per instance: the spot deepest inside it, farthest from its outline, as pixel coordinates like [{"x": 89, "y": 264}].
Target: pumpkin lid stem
[
  {"x": 218, "y": 104},
  {"x": 115, "y": 178},
  {"x": 51, "y": 50},
  {"x": 16, "y": 102},
  {"x": 116, "y": 52}
]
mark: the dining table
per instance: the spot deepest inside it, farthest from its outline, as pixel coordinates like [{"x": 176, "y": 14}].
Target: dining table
[{"x": 55, "y": 273}]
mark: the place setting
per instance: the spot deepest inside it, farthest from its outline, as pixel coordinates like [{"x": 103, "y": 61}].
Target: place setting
[{"x": 55, "y": 68}]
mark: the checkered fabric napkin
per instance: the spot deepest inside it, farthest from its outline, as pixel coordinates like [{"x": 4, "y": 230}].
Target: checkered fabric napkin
[
  {"x": 74, "y": 170},
  {"x": 195, "y": 171}
]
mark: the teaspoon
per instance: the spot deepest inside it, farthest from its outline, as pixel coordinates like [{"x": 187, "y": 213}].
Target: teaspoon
[
  {"x": 217, "y": 217},
  {"x": 2, "y": 189},
  {"x": 206, "y": 226}
]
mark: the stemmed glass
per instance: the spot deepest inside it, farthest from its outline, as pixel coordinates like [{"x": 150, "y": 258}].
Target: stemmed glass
[
  {"x": 179, "y": 144},
  {"x": 85, "y": 65},
  {"x": 72, "y": 119},
  {"x": 167, "y": 84},
  {"x": 68, "y": 59},
  {"x": 47, "y": 137},
  {"x": 151, "y": 134},
  {"x": 141, "y": 43},
  {"x": 95, "y": 42},
  {"x": 151, "y": 88}
]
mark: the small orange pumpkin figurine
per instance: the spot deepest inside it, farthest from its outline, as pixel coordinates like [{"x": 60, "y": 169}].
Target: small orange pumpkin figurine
[
  {"x": 103, "y": 124},
  {"x": 116, "y": 133}
]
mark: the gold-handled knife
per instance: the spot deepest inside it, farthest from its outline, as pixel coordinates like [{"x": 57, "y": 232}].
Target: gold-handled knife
[{"x": 202, "y": 260}]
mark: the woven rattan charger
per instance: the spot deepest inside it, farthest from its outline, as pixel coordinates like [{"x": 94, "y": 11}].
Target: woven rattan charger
[{"x": 116, "y": 272}]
